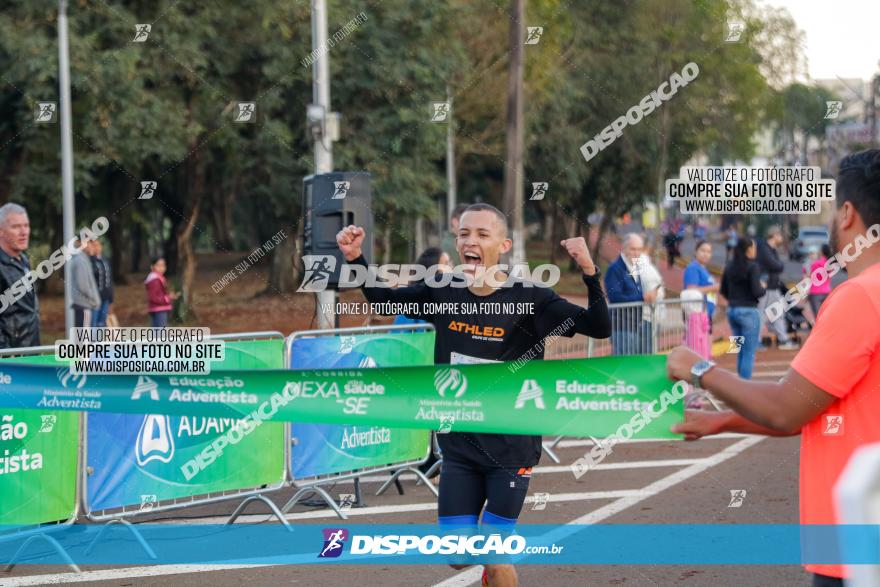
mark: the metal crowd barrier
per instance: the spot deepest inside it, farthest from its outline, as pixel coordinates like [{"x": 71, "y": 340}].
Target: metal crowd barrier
[
  {"x": 637, "y": 328},
  {"x": 251, "y": 494},
  {"x": 316, "y": 484},
  {"x": 41, "y": 532}
]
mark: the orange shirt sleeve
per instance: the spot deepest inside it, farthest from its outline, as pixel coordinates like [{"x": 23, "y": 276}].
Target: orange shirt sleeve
[{"x": 843, "y": 342}]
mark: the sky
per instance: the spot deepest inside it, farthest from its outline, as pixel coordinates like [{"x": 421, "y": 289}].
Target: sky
[{"x": 842, "y": 37}]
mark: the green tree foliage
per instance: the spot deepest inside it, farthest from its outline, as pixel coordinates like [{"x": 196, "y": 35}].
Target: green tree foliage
[{"x": 163, "y": 110}]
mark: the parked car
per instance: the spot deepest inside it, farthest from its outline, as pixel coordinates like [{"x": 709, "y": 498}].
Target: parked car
[{"x": 809, "y": 238}]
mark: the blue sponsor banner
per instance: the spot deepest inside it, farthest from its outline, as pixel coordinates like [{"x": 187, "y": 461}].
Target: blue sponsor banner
[
  {"x": 141, "y": 460},
  {"x": 323, "y": 449},
  {"x": 642, "y": 544}
]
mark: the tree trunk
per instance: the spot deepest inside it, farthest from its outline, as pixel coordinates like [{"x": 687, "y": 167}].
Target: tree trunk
[
  {"x": 607, "y": 221},
  {"x": 554, "y": 233},
  {"x": 137, "y": 249},
  {"x": 119, "y": 188},
  {"x": 281, "y": 271},
  {"x": 195, "y": 183},
  {"x": 223, "y": 203},
  {"x": 386, "y": 239},
  {"x": 55, "y": 283},
  {"x": 296, "y": 261}
]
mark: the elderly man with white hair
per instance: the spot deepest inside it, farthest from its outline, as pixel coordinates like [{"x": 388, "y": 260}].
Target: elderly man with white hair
[
  {"x": 19, "y": 321},
  {"x": 630, "y": 334}
]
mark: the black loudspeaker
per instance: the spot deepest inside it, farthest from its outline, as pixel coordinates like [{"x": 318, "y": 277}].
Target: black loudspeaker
[{"x": 332, "y": 201}]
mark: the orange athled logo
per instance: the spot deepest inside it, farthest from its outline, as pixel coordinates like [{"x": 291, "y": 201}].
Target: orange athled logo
[{"x": 475, "y": 329}]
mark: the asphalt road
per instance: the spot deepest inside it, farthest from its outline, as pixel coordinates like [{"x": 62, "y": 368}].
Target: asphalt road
[{"x": 640, "y": 482}]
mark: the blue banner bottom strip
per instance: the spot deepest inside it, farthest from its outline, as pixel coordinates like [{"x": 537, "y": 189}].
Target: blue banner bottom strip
[{"x": 273, "y": 544}]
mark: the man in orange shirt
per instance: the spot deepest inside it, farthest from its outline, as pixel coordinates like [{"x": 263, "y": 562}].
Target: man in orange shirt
[{"x": 831, "y": 393}]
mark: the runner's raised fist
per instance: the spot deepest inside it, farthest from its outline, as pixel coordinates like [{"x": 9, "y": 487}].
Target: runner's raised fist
[
  {"x": 577, "y": 249},
  {"x": 350, "y": 240}
]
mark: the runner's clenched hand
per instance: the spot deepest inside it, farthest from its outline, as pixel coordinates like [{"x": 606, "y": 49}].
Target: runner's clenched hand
[
  {"x": 577, "y": 249},
  {"x": 350, "y": 240}
]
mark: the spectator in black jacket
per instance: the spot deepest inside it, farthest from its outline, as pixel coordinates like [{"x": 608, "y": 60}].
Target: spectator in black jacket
[
  {"x": 741, "y": 285},
  {"x": 19, "y": 319},
  {"x": 104, "y": 281},
  {"x": 772, "y": 267}
]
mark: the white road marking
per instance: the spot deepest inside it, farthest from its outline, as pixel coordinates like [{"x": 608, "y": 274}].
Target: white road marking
[
  {"x": 579, "y": 442},
  {"x": 624, "y": 499},
  {"x": 396, "y": 509},
  {"x": 565, "y": 468},
  {"x": 473, "y": 575},
  {"x": 158, "y": 570},
  {"x": 116, "y": 574}
]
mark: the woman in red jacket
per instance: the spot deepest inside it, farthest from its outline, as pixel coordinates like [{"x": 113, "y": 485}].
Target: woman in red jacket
[{"x": 158, "y": 298}]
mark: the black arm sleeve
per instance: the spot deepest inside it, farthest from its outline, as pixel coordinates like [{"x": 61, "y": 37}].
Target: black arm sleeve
[
  {"x": 413, "y": 294},
  {"x": 755, "y": 281},
  {"x": 559, "y": 316},
  {"x": 725, "y": 284}
]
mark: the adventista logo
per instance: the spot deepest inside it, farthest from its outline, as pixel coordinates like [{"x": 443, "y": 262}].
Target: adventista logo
[
  {"x": 451, "y": 380},
  {"x": 154, "y": 440},
  {"x": 146, "y": 385},
  {"x": 530, "y": 391},
  {"x": 334, "y": 542},
  {"x": 68, "y": 379}
]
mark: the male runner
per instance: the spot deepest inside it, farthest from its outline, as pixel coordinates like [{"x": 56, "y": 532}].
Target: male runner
[{"x": 490, "y": 470}]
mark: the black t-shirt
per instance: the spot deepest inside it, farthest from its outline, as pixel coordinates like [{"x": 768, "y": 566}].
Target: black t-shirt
[{"x": 498, "y": 337}]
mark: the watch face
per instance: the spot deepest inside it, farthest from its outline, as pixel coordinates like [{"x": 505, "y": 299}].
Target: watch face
[{"x": 701, "y": 367}]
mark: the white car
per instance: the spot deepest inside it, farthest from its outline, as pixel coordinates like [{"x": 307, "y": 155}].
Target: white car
[{"x": 809, "y": 238}]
